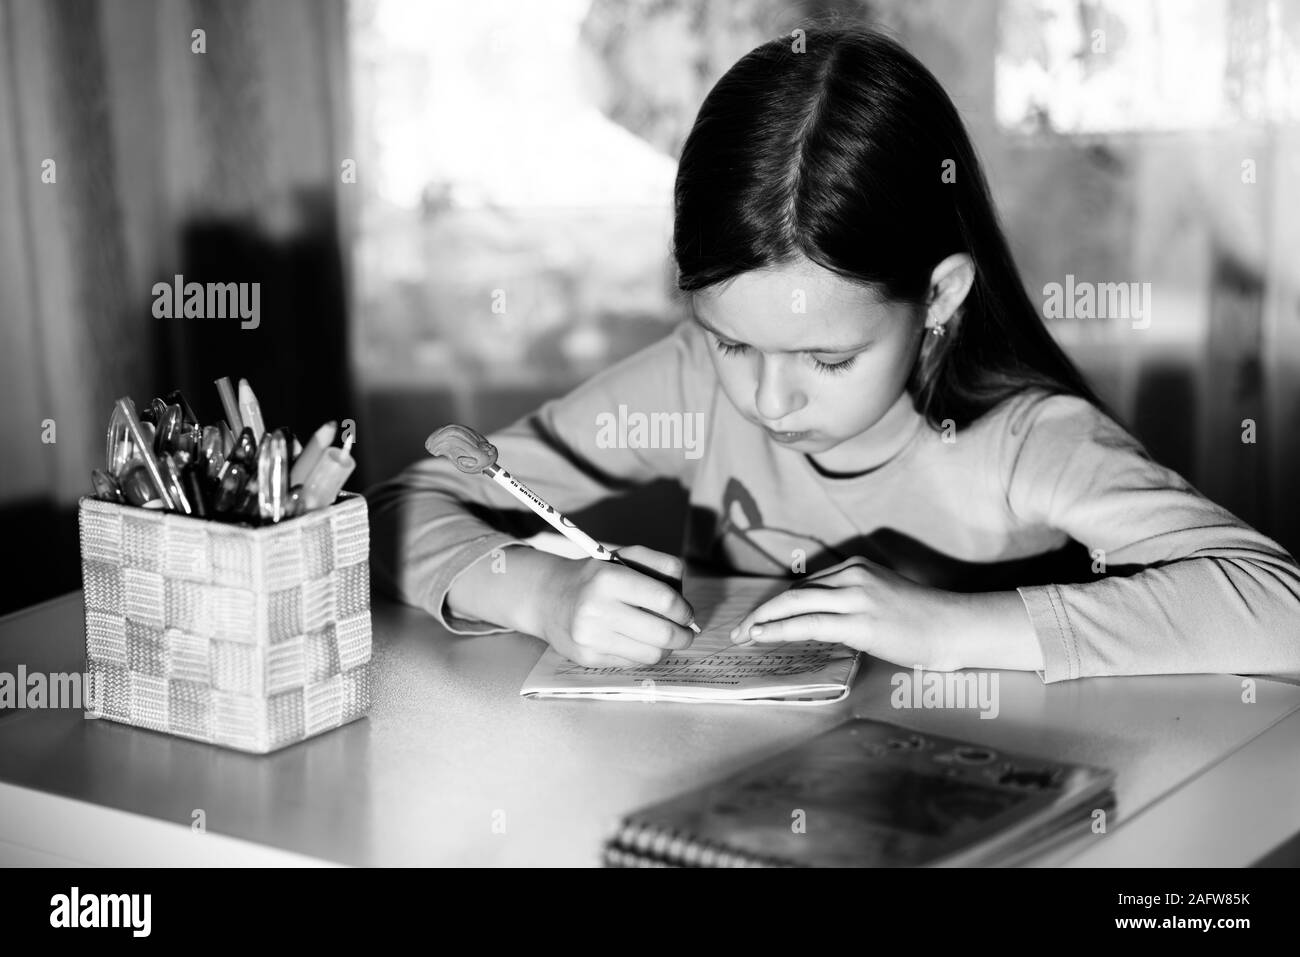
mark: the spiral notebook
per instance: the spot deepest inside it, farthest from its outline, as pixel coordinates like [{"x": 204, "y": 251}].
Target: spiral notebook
[
  {"x": 712, "y": 669},
  {"x": 872, "y": 794}
]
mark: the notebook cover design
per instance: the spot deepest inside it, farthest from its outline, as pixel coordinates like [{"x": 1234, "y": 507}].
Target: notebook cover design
[{"x": 870, "y": 794}]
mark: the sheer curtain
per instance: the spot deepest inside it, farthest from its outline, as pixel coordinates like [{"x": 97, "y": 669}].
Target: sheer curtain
[{"x": 133, "y": 148}]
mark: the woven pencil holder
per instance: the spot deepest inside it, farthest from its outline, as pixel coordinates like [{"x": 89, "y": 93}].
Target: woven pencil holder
[{"x": 249, "y": 638}]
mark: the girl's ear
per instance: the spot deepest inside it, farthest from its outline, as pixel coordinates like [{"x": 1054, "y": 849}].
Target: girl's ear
[{"x": 949, "y": 284}]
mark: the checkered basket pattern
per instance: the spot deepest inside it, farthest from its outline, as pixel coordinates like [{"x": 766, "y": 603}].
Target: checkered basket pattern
[{"x": 250, "y": 638}]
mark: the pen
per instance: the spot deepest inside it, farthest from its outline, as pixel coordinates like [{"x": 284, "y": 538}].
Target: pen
[
  {"x": 311, "y": 453},
  {"x": 273, "y": 476},
  {"x": 146, "y": 451},
  {"x": 323, "y": 485},
  {"x": 175, "y": 397},
  {"x": 229, "y": 405},
  {"x": 250, "y": 412},
  {"x": 471, "y": 453}
]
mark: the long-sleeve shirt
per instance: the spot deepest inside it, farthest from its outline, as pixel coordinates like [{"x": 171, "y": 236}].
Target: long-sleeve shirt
[{"x": 1123, "y": 567}]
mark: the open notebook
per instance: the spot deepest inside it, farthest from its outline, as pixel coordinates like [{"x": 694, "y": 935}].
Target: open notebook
[{"x": 712, "y": 668}]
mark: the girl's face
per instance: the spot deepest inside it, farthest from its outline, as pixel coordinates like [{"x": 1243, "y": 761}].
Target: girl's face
[{"x": 810, "y": 357}]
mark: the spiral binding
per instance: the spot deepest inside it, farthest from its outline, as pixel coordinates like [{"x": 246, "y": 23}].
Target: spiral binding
[{"x": 644, "y": 844}]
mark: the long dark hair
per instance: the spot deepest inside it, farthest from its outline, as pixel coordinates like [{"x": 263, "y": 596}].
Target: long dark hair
[{"x": 837, "y": 155}]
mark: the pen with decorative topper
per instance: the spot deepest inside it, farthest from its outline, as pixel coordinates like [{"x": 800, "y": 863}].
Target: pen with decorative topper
[{"x": 473, "y": 454}]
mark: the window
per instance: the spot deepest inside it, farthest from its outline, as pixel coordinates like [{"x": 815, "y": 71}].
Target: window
[
  {"x": 1086, "y": 66},
  {"x": 510, "y": 231}
]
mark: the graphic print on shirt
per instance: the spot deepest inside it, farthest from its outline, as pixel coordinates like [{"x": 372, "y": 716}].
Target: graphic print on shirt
[
  {"x": 738, "y": 539},
  {"x": 742, "y": 541}
]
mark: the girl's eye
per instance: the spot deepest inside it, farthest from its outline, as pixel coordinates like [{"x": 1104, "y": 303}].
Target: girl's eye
[
  {"x": 730, "y": 348},
  {"x": 736, "y": 349},
  {"x": 834, "y": 367}
]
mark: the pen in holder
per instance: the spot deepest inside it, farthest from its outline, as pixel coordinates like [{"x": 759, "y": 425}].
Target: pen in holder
[
  {"x": 222, "y": 603},
  {"x": 233, "y": 471}
]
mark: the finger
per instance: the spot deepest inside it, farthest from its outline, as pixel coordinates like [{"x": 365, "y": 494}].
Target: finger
[
  {"x": 626, "y": 646},
  {"x": 649, "y": 628},
  {"x": 634, "y": 588},
  {"x": 608, "y": 661},
  {"x": 818, "y": 626},
  {"x": 658, "y": 565},
  {"x": 797, "y": 601},
  {"x": 836, "y": 573},
  {"x": 614, "y": 615}
]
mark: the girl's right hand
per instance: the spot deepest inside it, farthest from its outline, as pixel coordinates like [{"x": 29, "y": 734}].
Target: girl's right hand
[{"x": 607, "y": 615}]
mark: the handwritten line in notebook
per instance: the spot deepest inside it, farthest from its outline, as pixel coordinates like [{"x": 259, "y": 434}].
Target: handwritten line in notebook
[
  {"x": 714, "y": 654},
  {"x": 713, "y": 669},
  {"x": 784, "y": 659}
]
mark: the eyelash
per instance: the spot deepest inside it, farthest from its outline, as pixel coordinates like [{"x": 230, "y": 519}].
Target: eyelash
[{"x": 830, "y": 368}]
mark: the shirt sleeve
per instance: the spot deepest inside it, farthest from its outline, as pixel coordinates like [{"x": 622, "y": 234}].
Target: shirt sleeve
[
  {"x": 639, "y": 420},
  {"x": 1210, "y": 594}
]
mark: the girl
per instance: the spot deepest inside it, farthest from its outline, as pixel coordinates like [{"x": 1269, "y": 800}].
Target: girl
[{"x": 884, "y": 416}]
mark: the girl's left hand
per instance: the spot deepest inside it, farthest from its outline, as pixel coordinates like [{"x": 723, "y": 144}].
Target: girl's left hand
[{"x": 866, "y": 606}]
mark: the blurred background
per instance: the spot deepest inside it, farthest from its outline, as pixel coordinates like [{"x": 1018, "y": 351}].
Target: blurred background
[{"x": 456, "y": 211}]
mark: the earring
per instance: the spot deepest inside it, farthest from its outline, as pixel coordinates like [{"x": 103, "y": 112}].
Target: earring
[{"x": 938, "y": 331}]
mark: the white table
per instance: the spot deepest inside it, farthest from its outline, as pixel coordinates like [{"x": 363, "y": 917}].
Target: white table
[{"x": 452, "y": 767}]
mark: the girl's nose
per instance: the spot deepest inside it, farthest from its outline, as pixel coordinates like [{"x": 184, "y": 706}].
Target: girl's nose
[{"x": 776, "y": 396}]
